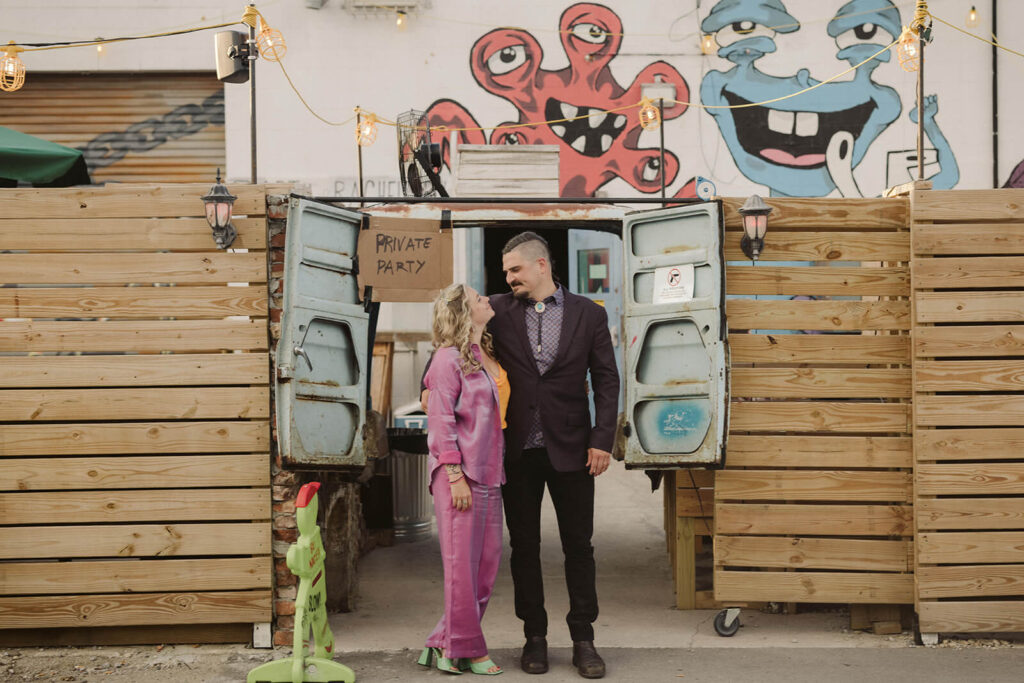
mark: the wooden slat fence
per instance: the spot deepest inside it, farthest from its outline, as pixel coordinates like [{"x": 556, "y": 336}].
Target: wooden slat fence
[
  {"x": 968, "y": 279},
  {"x": 134, "y": 414},
  {"x": 814, "y": 503}
]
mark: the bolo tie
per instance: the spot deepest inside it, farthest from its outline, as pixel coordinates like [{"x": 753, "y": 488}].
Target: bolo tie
[{"x": 539, "y": 307}]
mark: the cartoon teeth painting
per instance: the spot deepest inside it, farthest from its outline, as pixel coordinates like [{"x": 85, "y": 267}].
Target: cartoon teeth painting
[{"x": 808, "y": 145}]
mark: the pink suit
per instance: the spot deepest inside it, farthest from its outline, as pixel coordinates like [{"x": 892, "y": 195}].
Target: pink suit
[{"x": 464, "y": 427}]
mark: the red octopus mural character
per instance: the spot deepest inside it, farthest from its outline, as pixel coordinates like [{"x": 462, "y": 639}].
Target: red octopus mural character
[{"x": 595, "y": 148}]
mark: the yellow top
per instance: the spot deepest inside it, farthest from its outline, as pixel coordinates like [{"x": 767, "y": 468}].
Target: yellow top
[{"x": 504, "y": 391}]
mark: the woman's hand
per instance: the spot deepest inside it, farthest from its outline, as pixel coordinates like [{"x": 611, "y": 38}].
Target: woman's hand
[{"x": 462, "y": 498}]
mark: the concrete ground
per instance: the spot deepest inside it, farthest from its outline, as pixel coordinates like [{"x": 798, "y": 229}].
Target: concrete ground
[{"x": 640, "y": 633}]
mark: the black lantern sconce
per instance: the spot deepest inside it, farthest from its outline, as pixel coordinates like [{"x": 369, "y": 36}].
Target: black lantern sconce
[
  {"x": 755, "y": 225},
  {"x": 218, "y": 214}
]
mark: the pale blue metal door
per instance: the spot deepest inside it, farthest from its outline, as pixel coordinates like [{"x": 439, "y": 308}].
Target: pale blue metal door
[
  {"x": 595, "y": 267},
  {"x": 322, "y": 355},
  {"x": 676, "y": 356}
]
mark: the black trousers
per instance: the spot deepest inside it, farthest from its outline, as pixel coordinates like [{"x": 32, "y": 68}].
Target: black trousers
[{"x": 573, "y": 496}]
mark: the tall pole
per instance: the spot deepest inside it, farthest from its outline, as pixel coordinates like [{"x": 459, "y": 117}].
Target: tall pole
[
  {"x": 920, "y": 110},
  {"x": 995, "y": 96},
  {"x": 661, "y": 132},
  {"x": 252, "y": 102},
  {"x": 359, "y": 154}
]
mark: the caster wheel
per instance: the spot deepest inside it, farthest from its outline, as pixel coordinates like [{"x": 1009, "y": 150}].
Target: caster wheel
[{"x": 727, "y": 622}]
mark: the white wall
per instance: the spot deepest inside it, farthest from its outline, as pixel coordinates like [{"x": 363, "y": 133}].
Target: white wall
[{"x": 339, "y": 60}]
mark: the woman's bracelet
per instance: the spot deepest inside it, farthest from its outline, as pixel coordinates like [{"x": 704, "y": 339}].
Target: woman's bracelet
[{"x": 452, "y": 481}]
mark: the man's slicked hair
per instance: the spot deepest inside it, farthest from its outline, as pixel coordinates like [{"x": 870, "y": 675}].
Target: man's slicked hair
[{"x": 533, "y": 245}]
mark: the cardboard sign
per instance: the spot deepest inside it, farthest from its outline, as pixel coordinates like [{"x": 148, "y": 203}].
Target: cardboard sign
[
  {"x": 673, "y": 284},
  {"x": 404, "y": 259}
]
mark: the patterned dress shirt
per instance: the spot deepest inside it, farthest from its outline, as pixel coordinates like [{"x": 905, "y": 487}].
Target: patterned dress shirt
[{"x": 543, "y": 331}]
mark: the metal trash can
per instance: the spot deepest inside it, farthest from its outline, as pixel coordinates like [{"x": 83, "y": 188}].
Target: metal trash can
[{"x": 412, "y": 504}]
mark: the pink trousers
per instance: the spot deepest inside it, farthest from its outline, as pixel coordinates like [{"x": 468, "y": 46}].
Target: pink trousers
[{"x": 470, "y": 552}]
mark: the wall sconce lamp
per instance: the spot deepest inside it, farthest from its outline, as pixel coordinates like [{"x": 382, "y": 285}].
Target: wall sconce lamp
[
  {"x": 218, "y": 214},
  {"x": 755, "y": 225}
]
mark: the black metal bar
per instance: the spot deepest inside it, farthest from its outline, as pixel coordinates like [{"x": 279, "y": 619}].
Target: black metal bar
[
  {"x": 253, "y": 53},
  {"x": 501, "y": 200},
  {"x": 661, "y": 147},
  {"x": 995, "y": 95},
  {"x": 359, "y": 153}
]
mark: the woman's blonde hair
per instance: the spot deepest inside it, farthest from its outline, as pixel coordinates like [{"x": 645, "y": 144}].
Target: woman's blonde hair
[{"x": 453, "y": 326}]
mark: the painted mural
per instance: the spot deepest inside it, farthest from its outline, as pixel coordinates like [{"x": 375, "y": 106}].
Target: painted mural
[
  {"x": 805, "y": 146},
  {"x": 809, "y": 145},
  {"x": 594, "y": 150}
]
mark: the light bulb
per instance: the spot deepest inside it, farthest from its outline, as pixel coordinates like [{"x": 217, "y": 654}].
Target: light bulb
[
  {"x": 271, "y": 43},
  {"x": 650, "y": 117},
  {"x": 12, "y": 70},
  {"x": 972, "y": 18},
  {"x": 100, "y": 49},
  {"x": 907, "y": 52},
  {"x": 366, "y": 131},
  {"x": 707, "y": 44},
  {"x": 401, "y": 21}
]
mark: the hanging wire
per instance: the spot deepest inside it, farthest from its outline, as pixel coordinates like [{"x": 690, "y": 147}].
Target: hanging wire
[
  {"x": 39, "y": 47},
  {"x": 302, "y": 99},
  {"x": 993, "y": 43}
]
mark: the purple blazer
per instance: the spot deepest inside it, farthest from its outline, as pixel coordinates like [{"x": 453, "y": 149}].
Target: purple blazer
[
  {"x": 463, "y": 419},
  {"x": 560, "y": 394}
]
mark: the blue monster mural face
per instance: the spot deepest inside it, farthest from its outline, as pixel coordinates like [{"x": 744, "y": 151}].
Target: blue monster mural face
[{"x": 807, "y": 145}]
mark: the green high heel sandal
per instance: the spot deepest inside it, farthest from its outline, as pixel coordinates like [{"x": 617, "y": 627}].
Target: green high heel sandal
[
  {"x": 480, "y": 668},
  {"x": 432, "y": 654}
]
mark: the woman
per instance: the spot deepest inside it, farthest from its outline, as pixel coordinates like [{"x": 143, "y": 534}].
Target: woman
[{"x": 468, "y": 392}]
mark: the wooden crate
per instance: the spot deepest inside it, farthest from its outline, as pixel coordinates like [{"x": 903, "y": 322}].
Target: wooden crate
[
  {"x": 968, "y": 280},
  {"x": 506, "y": 171},
  {"x": 814, "y": 502},
  {"x": 134, "y": 415}
]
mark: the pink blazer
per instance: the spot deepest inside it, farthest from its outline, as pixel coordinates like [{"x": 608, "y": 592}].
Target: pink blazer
[{"x": 464, "y": 419}]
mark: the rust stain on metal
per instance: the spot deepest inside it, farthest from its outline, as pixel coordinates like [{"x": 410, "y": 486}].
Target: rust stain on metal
[
  {"x": 325, "y": 383},
  {"x": 491, "y": 213}
]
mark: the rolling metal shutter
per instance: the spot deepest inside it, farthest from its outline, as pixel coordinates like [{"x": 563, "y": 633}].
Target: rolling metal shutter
[{"x": 133, "y": 127}]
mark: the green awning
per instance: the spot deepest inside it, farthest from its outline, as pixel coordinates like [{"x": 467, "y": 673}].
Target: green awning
[{"x": 39, "y": 162}]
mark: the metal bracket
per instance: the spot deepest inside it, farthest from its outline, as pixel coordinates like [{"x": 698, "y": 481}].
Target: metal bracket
[
  {"x": 367, "y": 298},
  {"x": 446, "y": 220}
]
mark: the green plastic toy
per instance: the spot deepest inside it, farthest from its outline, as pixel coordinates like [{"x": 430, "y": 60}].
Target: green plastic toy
[{"x": 306, "y": 560}]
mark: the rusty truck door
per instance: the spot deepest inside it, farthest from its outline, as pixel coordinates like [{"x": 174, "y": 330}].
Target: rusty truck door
[
  {"x": 322, "y": 355},
  {"x": 676, "y": 356}
]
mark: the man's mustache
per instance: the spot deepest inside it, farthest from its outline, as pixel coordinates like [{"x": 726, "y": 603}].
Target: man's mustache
[{"x": 515, "y": 283}]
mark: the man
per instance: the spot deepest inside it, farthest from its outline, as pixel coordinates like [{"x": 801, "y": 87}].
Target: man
[{"x": 547, "y": 339}]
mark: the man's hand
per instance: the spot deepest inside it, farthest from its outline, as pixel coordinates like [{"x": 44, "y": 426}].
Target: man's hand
[
  {"x": 598, "y": 460},
  {"x": 423, "y": 399}
]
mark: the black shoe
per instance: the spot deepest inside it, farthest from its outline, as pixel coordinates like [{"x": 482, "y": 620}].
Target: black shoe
[
  {"x": 535, "y": 655},
  {"x": 586, "y": 660}
]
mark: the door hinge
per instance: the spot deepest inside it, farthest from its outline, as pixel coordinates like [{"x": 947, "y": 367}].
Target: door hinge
[{"x": 285, "y": 372}]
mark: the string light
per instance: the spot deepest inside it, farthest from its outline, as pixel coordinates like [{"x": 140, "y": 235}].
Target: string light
[
  {"x": 99, "y": 47},
  {"x": 270, "y": 42},
  {"x": 12, "y": 69},
  {"x": 650, "y": 117},
  {"x": 907, "y": 52},
  {"x": 401, "y": 21},
  {"x": 366, "y": 130},
  {"x": 972, "y": 18},
  {"x": 707, "y": 44}
]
